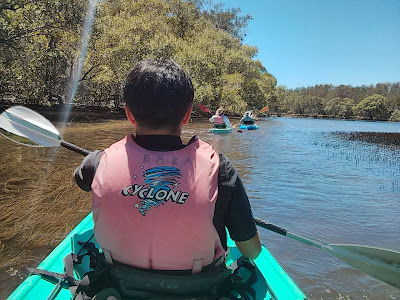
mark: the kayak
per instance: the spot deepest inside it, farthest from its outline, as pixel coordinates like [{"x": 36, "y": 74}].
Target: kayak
[
  {"x": 272, "y": 282},
  {"x": 220, "y": 130},
  {"x": 249, "y": 126}
]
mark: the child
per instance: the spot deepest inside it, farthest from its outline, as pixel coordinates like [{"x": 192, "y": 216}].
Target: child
[{"x": 158, "y": 203}]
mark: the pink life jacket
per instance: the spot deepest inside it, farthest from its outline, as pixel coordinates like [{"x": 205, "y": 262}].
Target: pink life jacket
[
  {"x": 219, "y": 120},
  {"x": 155, "y": 210}
]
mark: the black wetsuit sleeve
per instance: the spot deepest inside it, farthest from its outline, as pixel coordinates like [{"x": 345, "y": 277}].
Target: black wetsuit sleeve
[
  {"x": 232, "y": 209},
  {"x": 84, "y": 174}
]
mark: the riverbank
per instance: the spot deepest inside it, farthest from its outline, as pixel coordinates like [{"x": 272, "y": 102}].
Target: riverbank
[
  {"x": 75, "y": 114},
  {"x": 94, "y": 114},
  {"x": 358, "y": 118}
]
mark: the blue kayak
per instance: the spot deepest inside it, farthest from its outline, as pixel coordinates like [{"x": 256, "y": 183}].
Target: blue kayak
[
  {"x": 249, "y": 126},
  {"x": 272, "y": 280}
]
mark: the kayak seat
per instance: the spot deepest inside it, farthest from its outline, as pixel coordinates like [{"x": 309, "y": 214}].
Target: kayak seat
[
  {"x": 100, "y": 280},
  {"x": 239, "y": 284}
]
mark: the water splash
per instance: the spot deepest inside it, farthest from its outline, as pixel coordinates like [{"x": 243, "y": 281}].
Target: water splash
[{"x": 87, "y": 28}]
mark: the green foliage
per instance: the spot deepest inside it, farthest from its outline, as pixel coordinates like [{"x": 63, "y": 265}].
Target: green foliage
[
  {"x": 229, "y": 20},
  {"x": 341, "y": 102},
  {"x": 395, "y": 115},
  {"x": 39, "y": 54},
  {"x": 340, "y": 108},
  {"x": 373, "y": 107},
  {"x": 232, "y": 87},
  {"x": 38, "y": 39},
  {"x": 312, "y": 105},
  {"x": 41, "y": 42},
  {"x": 276, "y": 99}
]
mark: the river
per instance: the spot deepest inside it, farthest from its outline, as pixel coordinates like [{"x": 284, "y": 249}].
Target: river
[{"x": 298, "y": 175}]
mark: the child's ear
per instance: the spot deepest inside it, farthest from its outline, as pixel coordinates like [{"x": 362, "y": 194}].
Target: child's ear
[
  {"x": 129, "y": 115},
  {"x": 187, "y": 116}
]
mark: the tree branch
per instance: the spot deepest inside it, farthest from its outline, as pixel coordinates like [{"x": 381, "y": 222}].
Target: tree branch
[{"x": 84, "y": 77}]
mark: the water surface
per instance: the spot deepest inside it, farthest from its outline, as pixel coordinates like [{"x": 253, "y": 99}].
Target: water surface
[{"x": 303, "y": 178}]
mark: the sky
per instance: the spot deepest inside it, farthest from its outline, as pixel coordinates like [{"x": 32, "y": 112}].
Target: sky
[{"x": 309, "y": 42}]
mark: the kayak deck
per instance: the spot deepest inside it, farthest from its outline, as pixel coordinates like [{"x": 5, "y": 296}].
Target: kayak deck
[{"x": 272, "y": 283}]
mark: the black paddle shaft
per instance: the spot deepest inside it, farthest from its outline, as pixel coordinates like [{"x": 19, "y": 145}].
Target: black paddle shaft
[
  {"x": 269, "y": 226},
  {"x": 74, "y": 148}
]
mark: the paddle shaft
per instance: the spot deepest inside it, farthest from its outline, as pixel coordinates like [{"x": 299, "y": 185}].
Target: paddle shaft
[
  {"x": 284, "y": 232},
  {"x": 74, "y": 148}
]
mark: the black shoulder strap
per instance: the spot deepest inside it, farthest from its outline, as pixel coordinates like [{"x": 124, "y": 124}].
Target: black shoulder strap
[{"x": 222, "y": 202}]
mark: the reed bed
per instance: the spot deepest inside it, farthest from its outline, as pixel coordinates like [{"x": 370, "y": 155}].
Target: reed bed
[
  {"x": 375, "y": 151},
  {"x": 39, "y": 202},
  {"x": 382, "y": 138}
]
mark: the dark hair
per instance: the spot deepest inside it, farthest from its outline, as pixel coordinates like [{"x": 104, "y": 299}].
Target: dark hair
[{"x": 158, "y": 93}]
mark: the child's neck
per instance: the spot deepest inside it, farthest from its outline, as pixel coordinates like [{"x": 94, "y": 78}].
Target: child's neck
[{"x": 162, "y": 131}]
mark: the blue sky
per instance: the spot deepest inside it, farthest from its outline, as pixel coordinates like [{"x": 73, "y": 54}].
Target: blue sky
[{"x": 308, "y": 42}]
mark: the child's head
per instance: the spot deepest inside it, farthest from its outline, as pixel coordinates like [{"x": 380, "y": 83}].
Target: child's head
[{"x": 158, "y": 93}]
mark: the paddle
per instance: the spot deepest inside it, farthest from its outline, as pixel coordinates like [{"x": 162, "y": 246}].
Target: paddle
[
  {"x": 383, "y": 264},
  {"x": 24, "y": 126},
  {"x": 206, "y": 110},
  {"x": 264, "y": 109}
]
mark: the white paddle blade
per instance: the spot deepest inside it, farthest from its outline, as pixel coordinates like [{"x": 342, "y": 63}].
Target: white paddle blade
[
  {"x": 380, "y": 263},
  {"x": 9, "y": 131},
  {"x": 26, "y": 123}
]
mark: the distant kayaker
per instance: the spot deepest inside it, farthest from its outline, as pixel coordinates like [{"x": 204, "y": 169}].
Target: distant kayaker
[
  {"x": 247, "y": 118},
  {"x": 161, "y": 204},
  {"x": 220, "y": 120}
]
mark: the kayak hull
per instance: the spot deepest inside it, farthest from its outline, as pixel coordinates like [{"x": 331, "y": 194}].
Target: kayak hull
[
  {"x": 249, "y": 127},
  {"x": 273, "y": 282},
  {"x": 220, "y": 130}
]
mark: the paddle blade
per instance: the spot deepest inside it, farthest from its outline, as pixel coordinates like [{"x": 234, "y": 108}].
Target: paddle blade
[
  {"x": 264, "y": 109},
  {"x": 8, "y": 130},
  {"x": 382, "y": 264},
  {"x": 26, "y": 124},
  {"x": 204, "y": 108}
]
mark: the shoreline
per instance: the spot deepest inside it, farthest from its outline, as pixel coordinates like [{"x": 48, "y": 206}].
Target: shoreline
[{"x": 88, "y": 115}]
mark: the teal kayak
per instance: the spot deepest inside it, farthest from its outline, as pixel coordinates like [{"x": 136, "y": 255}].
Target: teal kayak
[
  {"x": 249, "y": 126},
  {"x": 272, "y": 283},
  {"x": 220, "y": 130}
]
